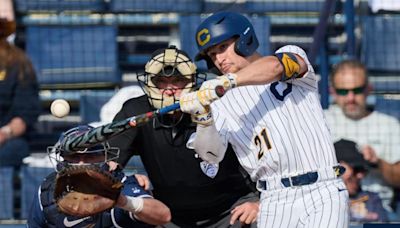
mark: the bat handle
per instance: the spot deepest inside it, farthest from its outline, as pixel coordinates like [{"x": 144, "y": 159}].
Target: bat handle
[
  {"x": 219, "y": 90},
  {"x": 169, "y": 108}
]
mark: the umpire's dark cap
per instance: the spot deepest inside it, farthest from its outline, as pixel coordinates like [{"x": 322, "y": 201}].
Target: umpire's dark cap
[{"x": 349, "y": 152}]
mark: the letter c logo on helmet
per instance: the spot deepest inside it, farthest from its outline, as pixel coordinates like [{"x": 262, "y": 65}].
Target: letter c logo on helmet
[{"x": 204, "y": 33}]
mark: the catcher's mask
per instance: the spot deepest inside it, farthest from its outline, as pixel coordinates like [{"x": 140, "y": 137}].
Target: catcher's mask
[
  {"x": 169, "y": 63},
  {"x": 98, "y": 154}
]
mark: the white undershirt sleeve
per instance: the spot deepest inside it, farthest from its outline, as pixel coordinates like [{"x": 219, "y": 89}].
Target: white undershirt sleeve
[{"x": 208, "y": 144}]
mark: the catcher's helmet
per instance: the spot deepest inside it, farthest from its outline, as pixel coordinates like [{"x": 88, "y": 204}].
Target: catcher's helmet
[
  {"x": 222, "y": 26},
  {"x": 168, "y": 62},
  {"x": 103, "y": 151}
]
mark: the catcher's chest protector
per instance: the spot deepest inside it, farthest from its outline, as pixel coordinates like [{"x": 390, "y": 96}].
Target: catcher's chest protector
[
  {"x": 54, "y": 218},
  {"x": 46, "y": 198}
]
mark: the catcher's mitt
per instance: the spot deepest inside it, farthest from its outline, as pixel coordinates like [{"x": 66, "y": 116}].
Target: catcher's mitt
[{"x": 84, "y": 190}]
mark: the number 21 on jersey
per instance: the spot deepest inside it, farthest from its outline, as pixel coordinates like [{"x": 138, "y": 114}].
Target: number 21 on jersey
[{"x": 262, "y": 142}]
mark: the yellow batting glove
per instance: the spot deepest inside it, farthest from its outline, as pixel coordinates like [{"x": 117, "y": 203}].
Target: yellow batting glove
[
  {"x": 200, "y": 114},
  {"x": 203, "y": 119},
  {"x": 207, "y": 92},
  {"x": 228, "y": 81}
]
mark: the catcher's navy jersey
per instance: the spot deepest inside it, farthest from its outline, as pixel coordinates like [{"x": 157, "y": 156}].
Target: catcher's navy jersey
[{"x": 44, "y": 212}]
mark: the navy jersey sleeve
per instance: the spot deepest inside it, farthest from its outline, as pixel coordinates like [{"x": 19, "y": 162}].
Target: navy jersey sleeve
[
  {"x": 132, "y": 188},
  {"x": 36, "y": 216},
  {"x": 124, "y": 218}
]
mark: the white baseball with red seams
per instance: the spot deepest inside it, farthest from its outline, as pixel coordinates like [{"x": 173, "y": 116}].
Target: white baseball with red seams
[{"x": 59, "y": 108}]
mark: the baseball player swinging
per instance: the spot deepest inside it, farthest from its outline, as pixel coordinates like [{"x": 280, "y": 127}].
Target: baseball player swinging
[{"x": 271, "y": 114}]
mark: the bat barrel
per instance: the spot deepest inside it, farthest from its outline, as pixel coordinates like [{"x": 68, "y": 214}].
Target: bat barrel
[
  {"x": 96, "y": 135},
  {"x": 103, "y": 133}
]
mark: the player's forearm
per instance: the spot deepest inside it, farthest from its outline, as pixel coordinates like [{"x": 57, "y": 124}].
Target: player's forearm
[
  {"x": 390, "y": 172},
  {"x": 266, "y": 70},
  {"x": 154, "y": 212},
  {"x": 263, "y": 71},
  {"x": 147, "y": 210}
]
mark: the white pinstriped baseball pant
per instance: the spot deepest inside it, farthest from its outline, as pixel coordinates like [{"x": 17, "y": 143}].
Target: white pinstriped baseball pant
[{"x": 322, "y": 204}]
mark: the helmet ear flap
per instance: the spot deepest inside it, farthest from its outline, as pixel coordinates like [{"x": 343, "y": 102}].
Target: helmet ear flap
[{"x": 246, "y": 45}]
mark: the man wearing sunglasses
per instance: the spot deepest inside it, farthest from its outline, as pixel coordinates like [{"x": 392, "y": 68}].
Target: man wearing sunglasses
[{"x": 377, "y": 133}]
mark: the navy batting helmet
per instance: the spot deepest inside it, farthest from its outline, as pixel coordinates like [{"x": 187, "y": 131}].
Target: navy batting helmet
[{"x": 223, "y": 26}]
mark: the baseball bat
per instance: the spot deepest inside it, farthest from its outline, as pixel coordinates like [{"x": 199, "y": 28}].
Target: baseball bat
[{"x": 107, "y": 131}]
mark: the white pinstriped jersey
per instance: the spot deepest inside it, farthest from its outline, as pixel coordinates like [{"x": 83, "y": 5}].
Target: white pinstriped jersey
[{"x": 276, "y": 129}]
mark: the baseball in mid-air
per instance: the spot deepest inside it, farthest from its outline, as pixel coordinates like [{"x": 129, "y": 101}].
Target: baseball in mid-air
[{"x": 59, "y": 108}]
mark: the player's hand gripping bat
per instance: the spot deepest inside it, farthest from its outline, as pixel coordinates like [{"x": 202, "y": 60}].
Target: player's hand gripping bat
[{"x": 107, "y": 131}]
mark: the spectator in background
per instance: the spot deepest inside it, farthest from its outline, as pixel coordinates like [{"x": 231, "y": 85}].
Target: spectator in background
[
  {"x": 19, "y": 99},
  {"x": 198, "y": 194},
  {"x": 364, "y": 206},
  {"x": 376, "y": 133}
]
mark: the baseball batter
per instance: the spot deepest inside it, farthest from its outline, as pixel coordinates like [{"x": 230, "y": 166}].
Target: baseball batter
[{"x": 271, "y": 114}]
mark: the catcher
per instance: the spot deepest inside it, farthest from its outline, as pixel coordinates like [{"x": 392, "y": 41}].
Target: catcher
[{"x": 88, "y": 189}]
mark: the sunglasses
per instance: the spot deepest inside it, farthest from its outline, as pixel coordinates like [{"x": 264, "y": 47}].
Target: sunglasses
[{"x": 344, "y": 92}]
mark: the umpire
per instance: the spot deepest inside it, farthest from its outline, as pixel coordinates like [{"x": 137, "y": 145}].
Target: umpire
[{"x": 198, "y": 194}]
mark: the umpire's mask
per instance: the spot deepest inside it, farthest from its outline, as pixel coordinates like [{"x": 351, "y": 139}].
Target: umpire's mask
[{"x": 169, "y": 62}]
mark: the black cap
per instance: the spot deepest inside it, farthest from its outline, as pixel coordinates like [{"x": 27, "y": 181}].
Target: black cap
[{"x": 348, "y": 151}]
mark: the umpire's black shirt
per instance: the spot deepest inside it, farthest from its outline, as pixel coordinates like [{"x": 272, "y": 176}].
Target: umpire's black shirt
[{"x": 175, "y": 171}]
